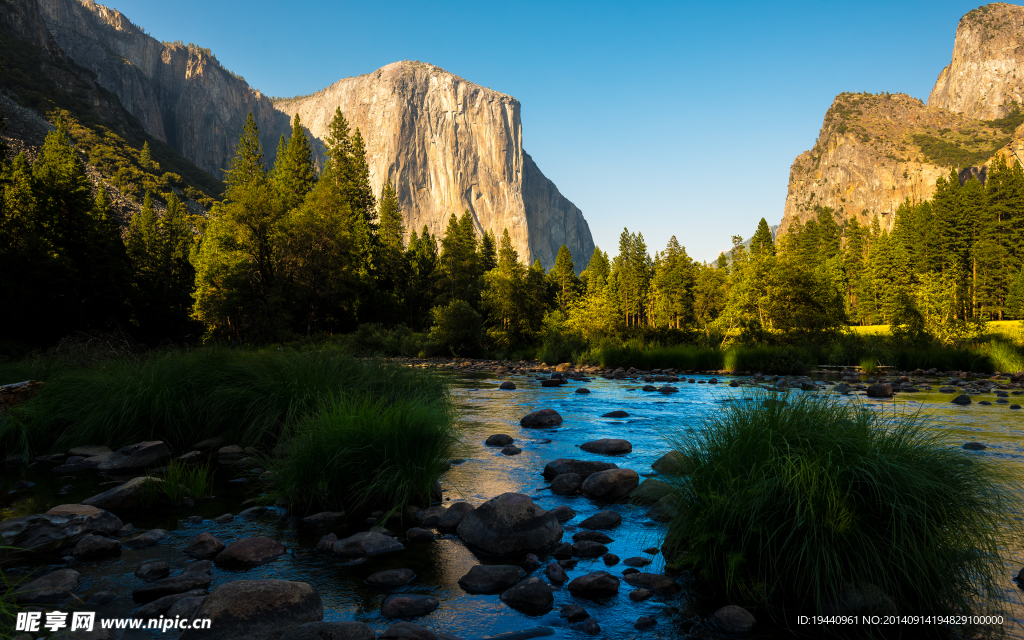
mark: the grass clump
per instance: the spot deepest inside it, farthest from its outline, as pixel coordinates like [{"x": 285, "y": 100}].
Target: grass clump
[
  {"x": 179, "y": 481},
  {"x": 787, "y": 503},
  {"x": 361, "y": 452},
  {"x": 250, "y": 398}
]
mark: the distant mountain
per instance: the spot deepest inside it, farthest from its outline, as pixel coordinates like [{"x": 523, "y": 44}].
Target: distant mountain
[
  {"x": 447, "y": 144},
  {"x": 877, "y": 150}
]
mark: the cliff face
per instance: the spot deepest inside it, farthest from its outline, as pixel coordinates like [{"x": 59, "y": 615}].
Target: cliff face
[
  {"x": 986, "y": 77},
  {"x": 876, "y": 151},
  {"x": 449, "y": 145},
  {"x": 179, "y": 92}
]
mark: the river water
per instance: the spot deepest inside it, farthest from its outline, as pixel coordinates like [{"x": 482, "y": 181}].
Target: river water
[{"x": 484, "y": 473}]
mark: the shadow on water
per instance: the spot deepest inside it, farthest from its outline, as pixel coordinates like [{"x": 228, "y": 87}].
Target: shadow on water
[{"x": 483, "y": 473}]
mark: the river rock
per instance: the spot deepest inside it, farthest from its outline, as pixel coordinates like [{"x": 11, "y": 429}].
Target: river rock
[
  {"x": 125, "y": 496},
  {"x": 508, "y": 385},
  {"x": 883, "y": 390},
  {"x": 209, "y": 444},
  {"x": 366, "y": 543},
  {"x": 608, "y": 446},
  {"x": 89, "y": 451},
  {"x": 644, "y": 622},
  {"x": 223, "y": 519},
  {"x": 592, "y": 536},
  {"x": 408, "y": 605},
  {"x": 555, "y": 573},
  {"x": 582, "y": 390},
  {"x": 573, "y": 613},
  {"x": 602, "y": 520},
  {"x": 610, "y": 559},
  {"x": 204, "y": 545},
  {"x": 510, "y": 523},
  {"x": 962, "y": 399},
  {"x": 664, "y": 510},
  {"x": 673, "y": 463},
  {"x": 147, "y": 539},
  {"x": 615, "y": 414},
  {"x": 652, "y": 581},
  {"x": 74, "y": 464},
  {"x": 636, "y": 561},
  {"x": 531, "y": 595},
  {"x": 58, "y": 528},
  {"x": 566, "y": 484},
  {"x": 454, "y": 515},
  {"x": 161, "y": 606},
  {"x": 490, "y": 578},
  {"x": 94, "y": 546},
  {"x": 582, "y": 468},
  {"x": 326, "y": 543},
  {"x": 185, "y": 608},
  {"x": 416, "y": 534},
  {"x": 324, "y": 518},
  {"x": 408, "y": 631},
  {"x": 611, "y": 484},
  {"x": 391, "y": 578},
  {"x": 562, "y": 551},
  {"x": 598, "y": 584},
  {"x": 256, "y": 610},
  {"x": 541, "y": 419},
  {"x": 588, "y": 549},
  {"x": 180, "y": 583},
  {"x": 250, "y": 552},
  {"x": 499, "y": 440},
  {"x": 563, "y": 513},
  {"x": 252, "y": 512},
  {"x": 650, "y": 491},
  {"x": 552, "y": 382},
  {"x": 735, "y": 620},
  {"x": 53, "y": 586},
  {"x": 330, "y": 631},
  {"x": 511, "y": 450},
  {"x": 150, "y": 571},
  {"x": 136, "y": 457},
  {"x": 432, "y": 515},
  {"x": 974, "y": 446},
  {"x": 639, "y": 595}
]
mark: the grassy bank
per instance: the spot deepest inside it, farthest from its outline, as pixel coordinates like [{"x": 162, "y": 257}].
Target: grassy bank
[
  {"x": 345, "y": 431},
  {"x": 788, "y": 502}
]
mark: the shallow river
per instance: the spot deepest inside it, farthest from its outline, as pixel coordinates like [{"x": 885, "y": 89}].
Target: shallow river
[{"x": 484, "y": 474}]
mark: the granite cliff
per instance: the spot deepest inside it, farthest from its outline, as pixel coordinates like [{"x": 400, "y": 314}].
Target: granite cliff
[
  {"x": 876, "y": 151},
  {"x": 447, "y": 144}
]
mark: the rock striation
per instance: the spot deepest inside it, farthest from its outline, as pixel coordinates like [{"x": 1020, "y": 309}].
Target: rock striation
[{"x": 447, "y": 144}]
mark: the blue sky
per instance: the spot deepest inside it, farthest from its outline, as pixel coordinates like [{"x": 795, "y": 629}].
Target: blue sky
[{"x": 669, "y": 118}]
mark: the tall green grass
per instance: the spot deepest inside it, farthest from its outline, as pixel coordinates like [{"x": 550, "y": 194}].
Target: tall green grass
[
  {"x": 247, "y": 397},
  {"x": 788, "y": 502},
  {"x": 363, "y": 453}
]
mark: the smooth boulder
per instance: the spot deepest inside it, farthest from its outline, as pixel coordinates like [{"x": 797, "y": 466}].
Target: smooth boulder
[
  {"x": 125, "y": 496},
  {"x": 499, "y": 440},
  {"x": 256, "y": 610},
  {"x": 58, "y": 528},
  {"x": 962, "y": 400},
  {"x": 366, "y": 543},
  {"x": 611, "y": 484},
  {"x": 491, "y": 578},
  {"x": 602, "y": 520},
  {"x": 95, "y": 546},
  {"x": 652, "y": 581},
  {"x": 250, "y": 552},
  {"x": 454, "y": 515},
  {"x": 204, "y": 545},
  {"x": 615, "y": 414},
  {"x": 541, "y": 419},
  {"x": 181, "y": 583},
  {"x": 53, "y": 586},
  {"x": 599, "y": 584},
  {"x": 608, "y": 446},
  {"x": 735, "y": 620},
  {"x": 650, "y": 491},
  {"x": 883, "y": 390},
  {"x": 136, "y": 457},
  {"x": 147, "y": 539},
  {"x": 673, "y": 463},
  {"x": 566, "y": 484},
  {"x": 391, "y": 578},
  {"x": 582, "y": 468},
  {"x": 408, "y": 605},
  {"x": 532, "y": 595},
  {"x": 510, "y": 523}
]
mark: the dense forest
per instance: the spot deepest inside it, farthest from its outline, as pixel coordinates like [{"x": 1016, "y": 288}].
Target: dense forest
[{"x": 296, "y": 252}]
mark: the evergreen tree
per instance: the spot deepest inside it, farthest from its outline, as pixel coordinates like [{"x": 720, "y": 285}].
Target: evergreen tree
[
  {"x": 294, "y": 173},
  {"x": 563, "y": 279},
  {"x": 763, "y": 241},
  {"x": 488, "y": 251},
  {"x": 424, "y": 265},
  {"x": 459, "y": 260},
  {"x": 145, "y": 158}
]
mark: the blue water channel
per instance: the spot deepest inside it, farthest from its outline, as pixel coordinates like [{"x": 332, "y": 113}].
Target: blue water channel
[{"x": 481, "y": 473}]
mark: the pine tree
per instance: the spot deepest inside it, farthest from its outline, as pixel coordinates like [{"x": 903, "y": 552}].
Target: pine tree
[
  {"x": 294, "y": 174},
  {"x": 763, "y": 240},
  {"x": 145, "y": 158},
  {"x": 488, "y": 251},
  {"x": 563, "y": 279}
]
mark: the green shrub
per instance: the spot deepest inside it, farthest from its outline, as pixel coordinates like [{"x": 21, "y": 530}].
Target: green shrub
[
  {"x": 457, "y": 328},
  {"x": 364, "y": 453},
  {"x": 787, "y": 502}
]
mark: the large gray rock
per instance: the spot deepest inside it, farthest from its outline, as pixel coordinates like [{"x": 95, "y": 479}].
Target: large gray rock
[
  {"x": 129, "y": 495},
  {"x": 541, "y": 419},
  {"x": 673, "y": 463},
  {"x": 652, "y": 581},
  {"x": 510, "y": 523},
  {"x": 161, "y": 606},
  {"x": 391, "y": 578},
  {"x": 330, "y": 631},
  {"x": 563, "y": 513},
  {"x": 650, "y": 491},
  {"x": 582, "y": 468},
  {"x": 598, "y": 584},
  {"x": 204, "y": 545},
  {"x": 532, "y": 595},
  {"x": 608, "y": 446},
  {"x": 602, "y": 520},
  {"x": 250, "y": 552},
  {"x": 148, "y": 539},
  {"x": 151, "y": 571},
  {"x": 408, "y": 631},
  {"x": 53, "y": 586},
  {"x": 58, "y": 528},
  {"x": 735, "y": 620},
  {"x": 491, "y": 578},
  {"x": 256, "y": 610},
  {"x": 136, "y": 457},
  {"x": 366, "y": 543},
  {"x": 77, "y": 463},
  {"x": 883, "y": 390},
  {"x": 96, "y": 546},
  {"x": 454, "y": 515},
  {"x": 181, "y": 583},
  {"x": 566, "y": 484},
  {"x": 408, "y": 605},
  {"x": 611, "y": 484}
]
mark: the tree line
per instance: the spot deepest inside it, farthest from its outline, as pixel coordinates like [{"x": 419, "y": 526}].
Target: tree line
[{"x": 295, "y": 250}]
